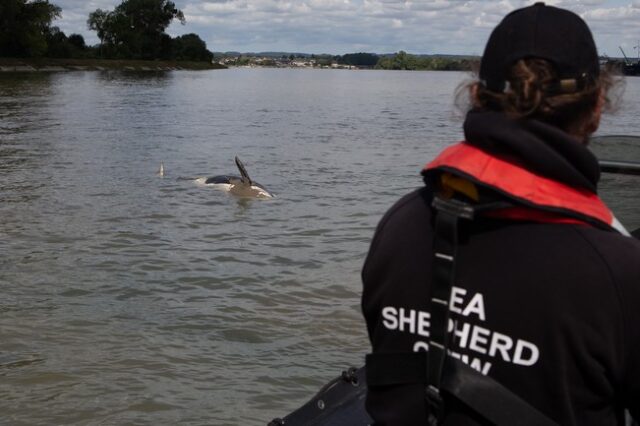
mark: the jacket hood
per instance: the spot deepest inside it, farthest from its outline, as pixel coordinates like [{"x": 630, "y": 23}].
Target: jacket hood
[{"x": 536, "y": 146}]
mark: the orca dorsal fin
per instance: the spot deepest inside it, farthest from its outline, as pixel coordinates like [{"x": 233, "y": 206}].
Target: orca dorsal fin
[{"x": 243, "y": 172}]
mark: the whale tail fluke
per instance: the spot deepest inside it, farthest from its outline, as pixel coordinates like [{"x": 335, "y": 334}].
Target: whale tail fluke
[
  {"x": 161, "y": 170},
  {"x": 243, "y": 172}
]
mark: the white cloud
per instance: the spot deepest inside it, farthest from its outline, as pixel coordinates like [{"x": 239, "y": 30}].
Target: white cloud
[{"x": 341, "y": 26}]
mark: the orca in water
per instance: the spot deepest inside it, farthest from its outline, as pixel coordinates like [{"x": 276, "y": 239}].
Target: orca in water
[{"x": 241, "y": 186}]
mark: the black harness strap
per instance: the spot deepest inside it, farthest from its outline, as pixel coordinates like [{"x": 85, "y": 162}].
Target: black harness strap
[
  {"x": 434, "y": 368},
  {"x": 481, "y": 393},
  {"x": 444, "y": 252}
]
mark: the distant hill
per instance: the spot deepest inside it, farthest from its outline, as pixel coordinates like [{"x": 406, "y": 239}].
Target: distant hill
[
  {"x": 264, "y": 54},
  {"x": 434, "y": 55},
  {"x": 308, "y": 55}
]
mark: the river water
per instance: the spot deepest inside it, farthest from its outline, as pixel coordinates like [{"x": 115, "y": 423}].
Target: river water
[{"x": 130, "y": 298}]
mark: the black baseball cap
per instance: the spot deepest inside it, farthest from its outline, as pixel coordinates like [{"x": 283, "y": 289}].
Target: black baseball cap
[{"x": 540, "y": 31}]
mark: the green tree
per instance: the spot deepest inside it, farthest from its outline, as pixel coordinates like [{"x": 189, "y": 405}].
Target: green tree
[
  {"x": 359, "y": 59},
  {"x": 190, "y": 47},
  {"x": 404, "y": 61},
  {"x": 98, "y": 22},
  {"x": 135, "y": 28},
  {"x": 242, "y": 60},
  {"x": 58, "y": 45},
  {"x": 25, "y": 26},
  {"x": 77, "y": 41},
  {"x": 400, "y": 61},
  {"x": 323, "y": 60}
]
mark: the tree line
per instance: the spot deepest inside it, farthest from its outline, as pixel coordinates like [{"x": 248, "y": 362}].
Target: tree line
[
  {"x": 397, "y": 61},
  {"x": 405, "y": 61},
  {"x": 135, "y": 29}
]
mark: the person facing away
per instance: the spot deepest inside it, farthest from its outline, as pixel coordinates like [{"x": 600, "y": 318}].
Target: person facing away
[{"x": 546, "y": 298}]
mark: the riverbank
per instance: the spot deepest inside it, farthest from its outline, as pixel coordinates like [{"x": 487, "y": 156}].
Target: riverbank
[{"x": 54, "y": 64}]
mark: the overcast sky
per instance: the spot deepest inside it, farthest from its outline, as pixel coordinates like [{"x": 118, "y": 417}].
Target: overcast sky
[{"x": 379, "y": 26}]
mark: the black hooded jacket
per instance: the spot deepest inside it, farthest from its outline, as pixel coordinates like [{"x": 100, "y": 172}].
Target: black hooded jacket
[{"x": 550, "y": 310}]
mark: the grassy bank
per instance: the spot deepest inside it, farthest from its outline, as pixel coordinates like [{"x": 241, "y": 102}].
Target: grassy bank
[{"x": 54, "y": 64}]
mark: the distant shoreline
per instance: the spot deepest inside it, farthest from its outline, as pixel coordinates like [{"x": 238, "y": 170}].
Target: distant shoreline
[{"x": 55, "y": 64}]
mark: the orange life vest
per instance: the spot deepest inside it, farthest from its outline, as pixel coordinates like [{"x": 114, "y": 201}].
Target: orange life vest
[{"x": 539, "y": 198}]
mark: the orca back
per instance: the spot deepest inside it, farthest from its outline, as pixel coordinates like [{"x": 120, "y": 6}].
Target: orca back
[{"x": 220, "y": 179}]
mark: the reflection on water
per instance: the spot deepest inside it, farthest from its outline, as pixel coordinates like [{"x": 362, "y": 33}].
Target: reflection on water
[{"x": 130, "y": 298}]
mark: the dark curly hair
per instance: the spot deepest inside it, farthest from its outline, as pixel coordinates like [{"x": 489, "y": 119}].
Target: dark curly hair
[{"x": 534, "y": 91}]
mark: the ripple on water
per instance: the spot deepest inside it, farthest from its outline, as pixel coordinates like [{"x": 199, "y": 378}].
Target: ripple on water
[
  {"x": 13, "y": 361},
  {"x": 134, "y": 299}
]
